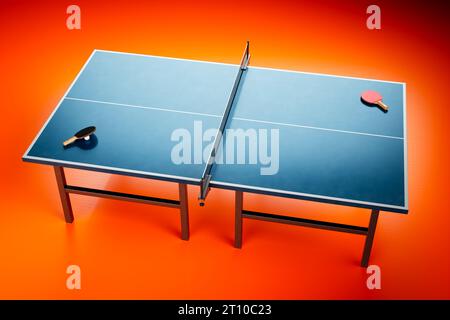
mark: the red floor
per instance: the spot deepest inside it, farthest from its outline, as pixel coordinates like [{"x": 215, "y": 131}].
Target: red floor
[{"x": 133, "y": 251}]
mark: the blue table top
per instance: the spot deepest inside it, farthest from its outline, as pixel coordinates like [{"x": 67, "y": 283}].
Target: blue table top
[{"x": 332, "y": 147}]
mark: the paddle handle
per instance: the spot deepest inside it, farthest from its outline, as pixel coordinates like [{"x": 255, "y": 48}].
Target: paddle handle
[
  {"x": 69, "y": 141},
  {"x": 382, "y": 105}
]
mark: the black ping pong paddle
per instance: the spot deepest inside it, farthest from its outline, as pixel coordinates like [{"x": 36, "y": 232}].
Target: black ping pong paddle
[{"x": 83, "y": 133}]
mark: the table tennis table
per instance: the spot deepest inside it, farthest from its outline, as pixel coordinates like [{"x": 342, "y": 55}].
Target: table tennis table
[{"x": 332, "y": 148}]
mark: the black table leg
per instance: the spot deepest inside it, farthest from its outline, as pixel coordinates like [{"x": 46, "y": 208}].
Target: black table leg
[
  {"x": 64, "y": 196},
  {"x": 238, "y": 219},
  {"x": 184, "y": 211},
  {"x": 369, "y": 238}
]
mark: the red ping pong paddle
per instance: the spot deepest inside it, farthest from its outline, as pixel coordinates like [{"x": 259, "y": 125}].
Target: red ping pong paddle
[{"x": 373, "y": 97}]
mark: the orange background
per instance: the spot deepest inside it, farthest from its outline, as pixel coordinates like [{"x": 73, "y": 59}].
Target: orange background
[{"x": 133, "y": 251}]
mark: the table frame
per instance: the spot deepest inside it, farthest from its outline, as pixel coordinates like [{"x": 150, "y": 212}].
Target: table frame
[
  {"x": 65, "y": 190},
  {"x": 241, "y": 213}
]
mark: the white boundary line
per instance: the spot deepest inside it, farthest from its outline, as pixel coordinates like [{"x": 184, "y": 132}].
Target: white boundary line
[
  {"x": 324, "y": 74},
  {"x": 106, "y": 168},
  {"x": 251, "y": 67},
  {"x": 59, "y": 103},
  {"x": 405, "y": 149},
  {"x": 25, "y": 156},
  {"x": 308, "y": 195}
]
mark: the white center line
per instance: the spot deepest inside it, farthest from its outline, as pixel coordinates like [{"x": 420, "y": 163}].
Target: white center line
[
  {"x": 318, "y": 128},
  {"x": 145, "y": 107},
  {"x": 235, "y": 118}
]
